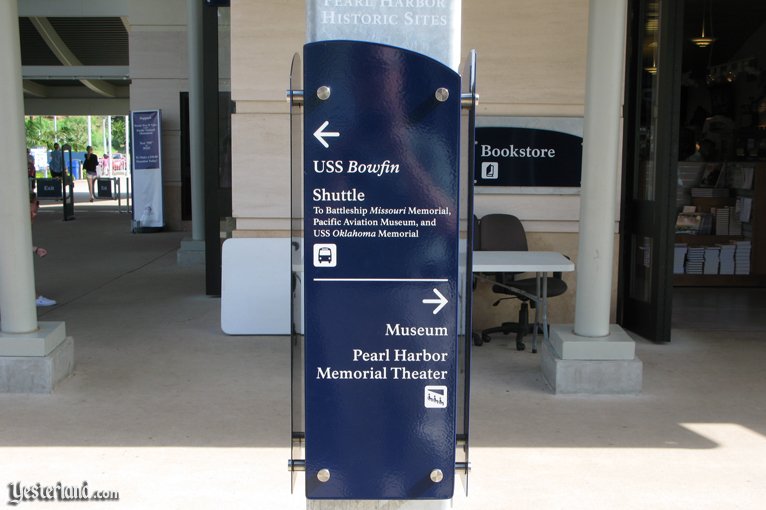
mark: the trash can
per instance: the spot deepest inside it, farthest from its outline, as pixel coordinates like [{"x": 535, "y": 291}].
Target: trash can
[
  {"x": 74, "y": 168},
  {"x": 104, "y": 188}
]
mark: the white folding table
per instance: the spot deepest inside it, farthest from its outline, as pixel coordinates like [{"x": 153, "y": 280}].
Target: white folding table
[{"x": 539, "y": 262}]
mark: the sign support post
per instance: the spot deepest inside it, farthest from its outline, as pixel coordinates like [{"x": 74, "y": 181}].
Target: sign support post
[{"x": 381, "y": 251}]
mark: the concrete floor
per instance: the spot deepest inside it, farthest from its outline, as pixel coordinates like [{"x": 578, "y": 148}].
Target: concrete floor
[{"x": 171, "y": 413}]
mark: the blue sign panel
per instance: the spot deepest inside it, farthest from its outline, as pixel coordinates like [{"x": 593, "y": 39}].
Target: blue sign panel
[
  {"x": 48, "y": 188},
  {"x": 146, "y": 165},
  {"x": 515, "y": 156},
  {"x": 381, "y": 139},
  {"x": 146, "y": 140}
]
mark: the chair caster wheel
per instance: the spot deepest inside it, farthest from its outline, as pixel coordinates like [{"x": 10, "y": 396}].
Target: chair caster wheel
[
  {"x": 520, "y": 346},
  {"x": 477, "y": 340},
  {"x": 534, "y": 351},
  {"x": 486, "y": 338}
]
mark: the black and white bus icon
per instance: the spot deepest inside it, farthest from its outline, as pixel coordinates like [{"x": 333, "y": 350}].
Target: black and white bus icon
[{"x": 324, "y": 255}]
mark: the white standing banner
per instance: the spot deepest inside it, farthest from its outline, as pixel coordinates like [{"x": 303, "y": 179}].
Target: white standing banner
[{"x": 146, "y": 166}]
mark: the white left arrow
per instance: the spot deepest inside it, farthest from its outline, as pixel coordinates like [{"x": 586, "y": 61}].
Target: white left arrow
[
  {"x": 441, "y": 301},
  {"x": 320, "y": 134}
]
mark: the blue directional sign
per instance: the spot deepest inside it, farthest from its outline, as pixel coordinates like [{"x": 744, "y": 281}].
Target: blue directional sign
[
  {"x": 381, "y": 156},
  {"x": 146, "y": 140},
  {"x": 146, "y": 169}
]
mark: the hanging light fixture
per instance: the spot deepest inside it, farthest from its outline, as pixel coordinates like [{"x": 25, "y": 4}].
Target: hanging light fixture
[
  {"x": 703, "y": 41},
  {"x": 652, "y": 27},
  {"x": 652, "y": 69}
]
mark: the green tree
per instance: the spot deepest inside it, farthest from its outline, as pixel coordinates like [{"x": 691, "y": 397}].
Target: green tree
[
  {"x": 74, "y": 131},
  {"x": 97, "y": 134},
  {"x": 118, "y": 133},
  {"x": 39, "y": 131}
]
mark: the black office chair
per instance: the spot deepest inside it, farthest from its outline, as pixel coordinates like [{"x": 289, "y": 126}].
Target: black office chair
[
  {"x": 476, "y": 233},
  {"x": 476, "y": 245},
  {"x": 504, "y": 232}
]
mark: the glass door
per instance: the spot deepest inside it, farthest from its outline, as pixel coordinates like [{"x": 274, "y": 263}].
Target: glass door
[{"x": 649, "y": 167}]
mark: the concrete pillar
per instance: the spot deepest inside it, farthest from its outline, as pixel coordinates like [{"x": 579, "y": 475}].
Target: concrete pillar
[
  {"x": 17, "y": 280},
  {"x": 593, "y": 356},
  {"x": 192, "y": 250},
  {"x": 196, "y": 118},
  {"x": 127, "y": 138},
  {"x": 33, "y": 356}
]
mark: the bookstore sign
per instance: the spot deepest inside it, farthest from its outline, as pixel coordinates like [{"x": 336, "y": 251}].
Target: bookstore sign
[{"x": 524, "y": 156}]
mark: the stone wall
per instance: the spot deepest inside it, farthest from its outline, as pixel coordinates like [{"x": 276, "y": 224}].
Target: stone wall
[{"x": 531, "y": 62}]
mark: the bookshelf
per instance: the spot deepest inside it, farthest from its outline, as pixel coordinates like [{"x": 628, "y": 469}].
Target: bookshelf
[
  {"x": 753, "y": 231},
  {"x": 718, "y": 280},
  {"x": 707, "y": 240}
]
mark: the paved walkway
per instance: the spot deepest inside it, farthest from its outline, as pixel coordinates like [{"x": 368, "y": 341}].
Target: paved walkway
[{"x": 171, "y": 413}]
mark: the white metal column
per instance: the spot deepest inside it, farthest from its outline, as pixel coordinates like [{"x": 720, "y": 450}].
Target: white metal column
[
  {"x": 600, "y": 166},
  {"x": 593, "y": 356},
  {"x": 17, "y": 281}
]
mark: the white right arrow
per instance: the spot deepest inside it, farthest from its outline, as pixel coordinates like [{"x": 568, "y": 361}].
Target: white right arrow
[
  {"x": 320, "y": 134},
  {"x": 441, "y": 301}
]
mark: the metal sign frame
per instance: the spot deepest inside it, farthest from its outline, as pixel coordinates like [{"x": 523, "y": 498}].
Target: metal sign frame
[{"x": 467, "y": 98}]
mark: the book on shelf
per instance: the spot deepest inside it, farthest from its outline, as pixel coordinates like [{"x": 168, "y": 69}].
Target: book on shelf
[
  {"x": 694, "y": 223},
  {"x": 742, "y": 257},
  {"x": 726, "y": 258},
  {"x": 713, "y": 176},
  {"x": 722, "y": 216},
  {"x": 679, "y": 258},
  {"x": 741, "y": 177},
  {"x": 712, "y": 256},
  {"x": 735, "y": 226},
  {"x": 744, "y": 206},
  {"x": 710, "y": 192},
  {"x": 690, "y": 173},
  {"x": 695, "y": 260}
]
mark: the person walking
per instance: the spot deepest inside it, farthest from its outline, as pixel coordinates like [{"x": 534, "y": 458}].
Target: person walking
[
  {"x": 31, "y": 170},
  {"x": 56, "y": 163},
  {"x": 89, "y": 165},
  {"x": 34, "y": 206}
]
